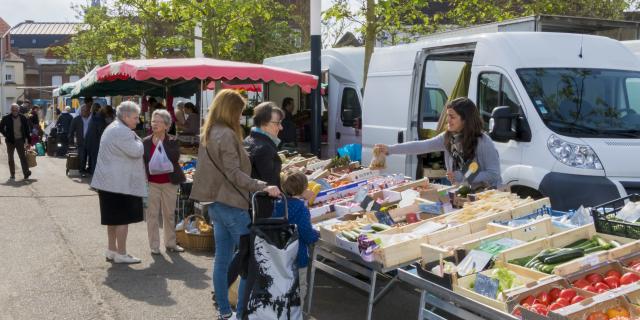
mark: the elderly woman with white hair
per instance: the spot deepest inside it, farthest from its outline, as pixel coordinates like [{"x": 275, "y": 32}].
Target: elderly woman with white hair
[
  {"x": 120, "y": 180},
  {"x": 163, "y": 184}
]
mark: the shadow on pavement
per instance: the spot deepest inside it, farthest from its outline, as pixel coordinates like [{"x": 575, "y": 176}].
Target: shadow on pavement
[
  {"x": 150, "y": 285},
  {"x": 18, "y": 183}
]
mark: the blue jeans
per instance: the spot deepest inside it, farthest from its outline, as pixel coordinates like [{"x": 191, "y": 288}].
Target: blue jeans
[{"x": 229, "y": 223}]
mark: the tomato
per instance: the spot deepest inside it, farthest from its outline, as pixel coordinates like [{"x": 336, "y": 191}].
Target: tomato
[
  {"x": 554, "y": 294},
  {"x": 613, "y": 273},
  {"x": 628, "y": 278},
  {"x": 528, "y": 300},
  {"x": 540, "y": 309},
  {"x": 590, "y": 288},
  {"x": 567, "y": 294},
  {"x": 581, "y": 283},
  {"x": 516, "y": 312},
  {"x": 633, "y": 262},
  {"x": 577, "y": 299},
  {"x": 617, "y": 312},
  {"x": 597, "y": 316},
  {"x": 564, "y": 302},
  {"x": 543, "y": 298},
  {"x": 601, "y": 286},
  {"x": 594, "y": 277},
  {"x": 636, "y": 267},
  {"x": 612, "y": 281},
  {"x": 555, "y": 306}
]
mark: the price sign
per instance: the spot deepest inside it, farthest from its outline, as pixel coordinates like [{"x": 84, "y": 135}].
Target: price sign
[{"x": 486, "y": 286}]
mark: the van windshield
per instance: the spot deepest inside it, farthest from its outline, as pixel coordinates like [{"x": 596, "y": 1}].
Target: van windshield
[{"x": 586, "y": 102}]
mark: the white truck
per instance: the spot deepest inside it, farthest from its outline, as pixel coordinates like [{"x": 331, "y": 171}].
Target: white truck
[{"x": 564, "y": 109}]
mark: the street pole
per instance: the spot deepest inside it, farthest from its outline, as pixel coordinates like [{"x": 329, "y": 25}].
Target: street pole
[
  {"x": 197, "y": 42},
  {"x": 316, "y": 63}
]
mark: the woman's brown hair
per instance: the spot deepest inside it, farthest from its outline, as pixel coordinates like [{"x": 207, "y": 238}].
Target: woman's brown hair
[
  {"x": 225, "y": 110},
  {"x": 471, "y": 129}
]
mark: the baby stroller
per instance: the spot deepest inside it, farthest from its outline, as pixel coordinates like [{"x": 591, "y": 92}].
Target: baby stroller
[{"x": 272, "y": 290}]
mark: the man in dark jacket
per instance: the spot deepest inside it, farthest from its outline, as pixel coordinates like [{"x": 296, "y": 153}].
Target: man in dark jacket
[
  {"x": 15, "y": 128},
  {"x": 97, "y": 124},
  {"x": 77, "y": 134},
  {"x": 288, "y": 133},
  {"x": 262, "y": 145},
  {"x": 63, "y": 126}
]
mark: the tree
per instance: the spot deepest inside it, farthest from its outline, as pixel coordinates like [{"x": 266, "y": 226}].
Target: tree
[
  {"x": 464, "y": 12},
  {"x": 388, "y": 21}
]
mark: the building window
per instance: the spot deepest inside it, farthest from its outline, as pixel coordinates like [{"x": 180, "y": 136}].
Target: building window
[
  {"x": 10, "y": 74},
  {"x": 56, "y": 81},
  {"x": 74, "y": 78},
  {"x": 12, "y": 42},
  {"x": 33, "y": 41}
]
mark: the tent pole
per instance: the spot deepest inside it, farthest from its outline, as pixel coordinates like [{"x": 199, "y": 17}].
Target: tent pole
[{"x": 201, "y": 102}]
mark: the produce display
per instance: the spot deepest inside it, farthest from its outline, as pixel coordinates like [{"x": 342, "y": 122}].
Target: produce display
[
  {"x": 546, "y": 301},
  {"x": 548, "y": 259},
  {"x": 492, "y": 202},
  {"x": 616, "y": 313},
  {"x": 507, "y": 280},
  {"x": 603, "y": 282},
  {"x": 634, "y": 264}
]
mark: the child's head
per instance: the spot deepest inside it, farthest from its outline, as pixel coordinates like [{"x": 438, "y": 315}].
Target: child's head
[{"x": 294, "y": 183}]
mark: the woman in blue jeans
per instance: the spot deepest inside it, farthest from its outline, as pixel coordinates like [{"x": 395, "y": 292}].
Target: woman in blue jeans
[{"x": 224, "y": 178}]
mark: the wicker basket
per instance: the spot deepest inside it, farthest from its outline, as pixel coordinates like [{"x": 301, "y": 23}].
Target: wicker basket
[{"x": 199, "y": 242}]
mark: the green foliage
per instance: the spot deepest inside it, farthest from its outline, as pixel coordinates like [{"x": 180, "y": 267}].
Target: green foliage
[{"x": 246, "y": 30}]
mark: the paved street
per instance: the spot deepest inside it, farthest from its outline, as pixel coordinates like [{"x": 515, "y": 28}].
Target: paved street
[{"x": 53, "y": 268}]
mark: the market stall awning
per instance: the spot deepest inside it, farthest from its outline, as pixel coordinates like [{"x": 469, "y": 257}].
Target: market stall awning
[
  {"x": 253, "y": 87},
  {"x": 171, "y": 71}
]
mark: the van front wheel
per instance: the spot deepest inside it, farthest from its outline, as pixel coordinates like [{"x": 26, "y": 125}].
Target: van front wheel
[{"x": 524, "y": 192}]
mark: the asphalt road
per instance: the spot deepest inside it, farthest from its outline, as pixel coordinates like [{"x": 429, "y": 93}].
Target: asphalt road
[{"x": 52, "y": 264}]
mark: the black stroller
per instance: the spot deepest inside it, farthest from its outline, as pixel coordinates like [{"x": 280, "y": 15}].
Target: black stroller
[{"x": 272, "y": 290}]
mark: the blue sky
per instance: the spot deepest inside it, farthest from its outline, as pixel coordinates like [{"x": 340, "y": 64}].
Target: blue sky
[{"x": 16, "y": 11}]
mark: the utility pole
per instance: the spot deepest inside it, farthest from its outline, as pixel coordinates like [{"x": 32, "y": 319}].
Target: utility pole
[
  {"x": 197, "y": 42},
  {"x": 316, "y": 65}
]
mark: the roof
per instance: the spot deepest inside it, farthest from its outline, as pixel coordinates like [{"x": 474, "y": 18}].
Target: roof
[
  {"x": 45, "y": 28},
  {"x": 4, "y": 26}
]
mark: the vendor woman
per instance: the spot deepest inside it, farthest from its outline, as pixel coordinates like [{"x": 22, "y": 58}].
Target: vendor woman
[{"x": 463, "y": 143}]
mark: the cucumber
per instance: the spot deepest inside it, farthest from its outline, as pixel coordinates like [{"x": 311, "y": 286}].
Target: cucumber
[
  {"x": 603, "y": 243},
  {"x": 564, "y": 256},
  {"x": 548, "y": 268},
  {"x": 548, "y": 252},
  {"x": 380, "y": 227},
  {"x": 521, "y": 261},
  {"x": 615, "y": 244},
  {"x": 587, "y": 244}
]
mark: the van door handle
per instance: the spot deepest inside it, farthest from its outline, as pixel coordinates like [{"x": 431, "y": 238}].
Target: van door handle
[
  {"x": 400, "y": 136},
  {"x": 338, "y": 135}
]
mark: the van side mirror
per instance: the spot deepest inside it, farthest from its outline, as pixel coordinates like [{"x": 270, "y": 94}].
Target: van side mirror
[{"x": 500, "y": 127}]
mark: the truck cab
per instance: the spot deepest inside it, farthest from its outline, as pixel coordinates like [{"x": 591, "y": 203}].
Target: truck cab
[{"x": 563, "y": 109}]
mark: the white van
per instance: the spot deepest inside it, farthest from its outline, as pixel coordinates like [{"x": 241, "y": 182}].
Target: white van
[
  {"x": 342, "y": 76},
  {"x": 566, "y": 109}
]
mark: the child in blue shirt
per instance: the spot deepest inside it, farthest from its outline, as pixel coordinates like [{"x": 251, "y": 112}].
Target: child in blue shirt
[{"x": 293, "y": 185}]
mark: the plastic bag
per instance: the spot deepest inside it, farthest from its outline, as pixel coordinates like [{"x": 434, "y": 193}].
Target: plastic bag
[
  {"x": 354, "y": 151},
  {"x": 159, "y": 162},
  {"x": 379, "y": 159}
]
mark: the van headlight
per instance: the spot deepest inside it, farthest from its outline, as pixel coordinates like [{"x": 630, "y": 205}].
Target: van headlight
[{"x": 574, "y": 155}]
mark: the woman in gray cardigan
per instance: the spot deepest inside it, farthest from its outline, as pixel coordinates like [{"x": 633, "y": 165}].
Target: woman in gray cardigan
[
  {"x": 463, "y": 143},
  {"x": 120, "y": 179}
]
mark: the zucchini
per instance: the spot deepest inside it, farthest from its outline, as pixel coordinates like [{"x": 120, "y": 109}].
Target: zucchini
[
  {"x": 603, "y": 243},
  {"x": 594, "y": 249},
  {"x": 564, "y": 256},
  {"x": 349, "y": 236},
  {"x": 547, "y": 253},
  {"x": 577, "y": 243},
  {"x": 615, "y": 244},
  {"x": 521, "y": 261},
  {"x": 587, "y": 244},
  {"x": 380, "y": 227}
]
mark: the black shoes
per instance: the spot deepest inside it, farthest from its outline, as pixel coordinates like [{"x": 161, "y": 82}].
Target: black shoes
[{"x": 27, "y": 175}]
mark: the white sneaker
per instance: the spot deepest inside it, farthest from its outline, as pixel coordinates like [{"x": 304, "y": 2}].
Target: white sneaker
[
  {"x": 176, "y": 248},
  {"x": 125, "y": 258},
  {"x": 109, "y": 255}
]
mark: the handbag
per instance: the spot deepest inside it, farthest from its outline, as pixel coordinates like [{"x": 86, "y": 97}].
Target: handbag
[
  {"x": 31, "y": 158},
  {"x": 160, "y": 163}
]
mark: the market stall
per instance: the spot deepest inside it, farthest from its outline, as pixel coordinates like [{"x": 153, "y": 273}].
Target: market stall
[{"x": 488, "y": 255}]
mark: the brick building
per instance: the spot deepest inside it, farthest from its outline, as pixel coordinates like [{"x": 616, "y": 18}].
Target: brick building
[{"x": 32, "y": 41}]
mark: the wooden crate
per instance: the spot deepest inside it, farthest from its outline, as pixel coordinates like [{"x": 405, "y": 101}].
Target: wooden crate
[
  {"x": 536, "y": 287},
  {"x": 600, "y": 269},
  {"x": 399, "y": 253},
  {"x": 581, "y": 310},
  {"x": 461, "y": 286}
]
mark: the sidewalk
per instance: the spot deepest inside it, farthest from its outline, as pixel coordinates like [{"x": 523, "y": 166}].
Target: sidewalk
[{"x": 53, "y": 267}]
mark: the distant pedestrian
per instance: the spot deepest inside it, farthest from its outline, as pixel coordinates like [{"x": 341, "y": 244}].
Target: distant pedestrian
[
  {"x": 192, "y": 122},
  {"x": 77, "y": 134},
  {"x": 97, "y": 125},
  {"x": 15, "y": 129},
  {"x": 163, "y": 187},
  {"x": 288, "y": 133},
  {"x": 120, "y": 180},
  {"x": 180, "y": 116},
  {"x": 63, "y": 126},
  {"x": 108, "y": 113}
]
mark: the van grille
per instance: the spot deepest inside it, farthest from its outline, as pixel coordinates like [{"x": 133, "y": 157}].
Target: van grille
[{"x": 623, "y": 143}]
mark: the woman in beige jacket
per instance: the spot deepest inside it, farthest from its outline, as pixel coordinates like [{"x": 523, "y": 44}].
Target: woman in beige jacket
[{"x": 224, "y": 178}]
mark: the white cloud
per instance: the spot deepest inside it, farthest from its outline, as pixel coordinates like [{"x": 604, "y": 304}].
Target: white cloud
[{"x": 16, "y": 11}]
